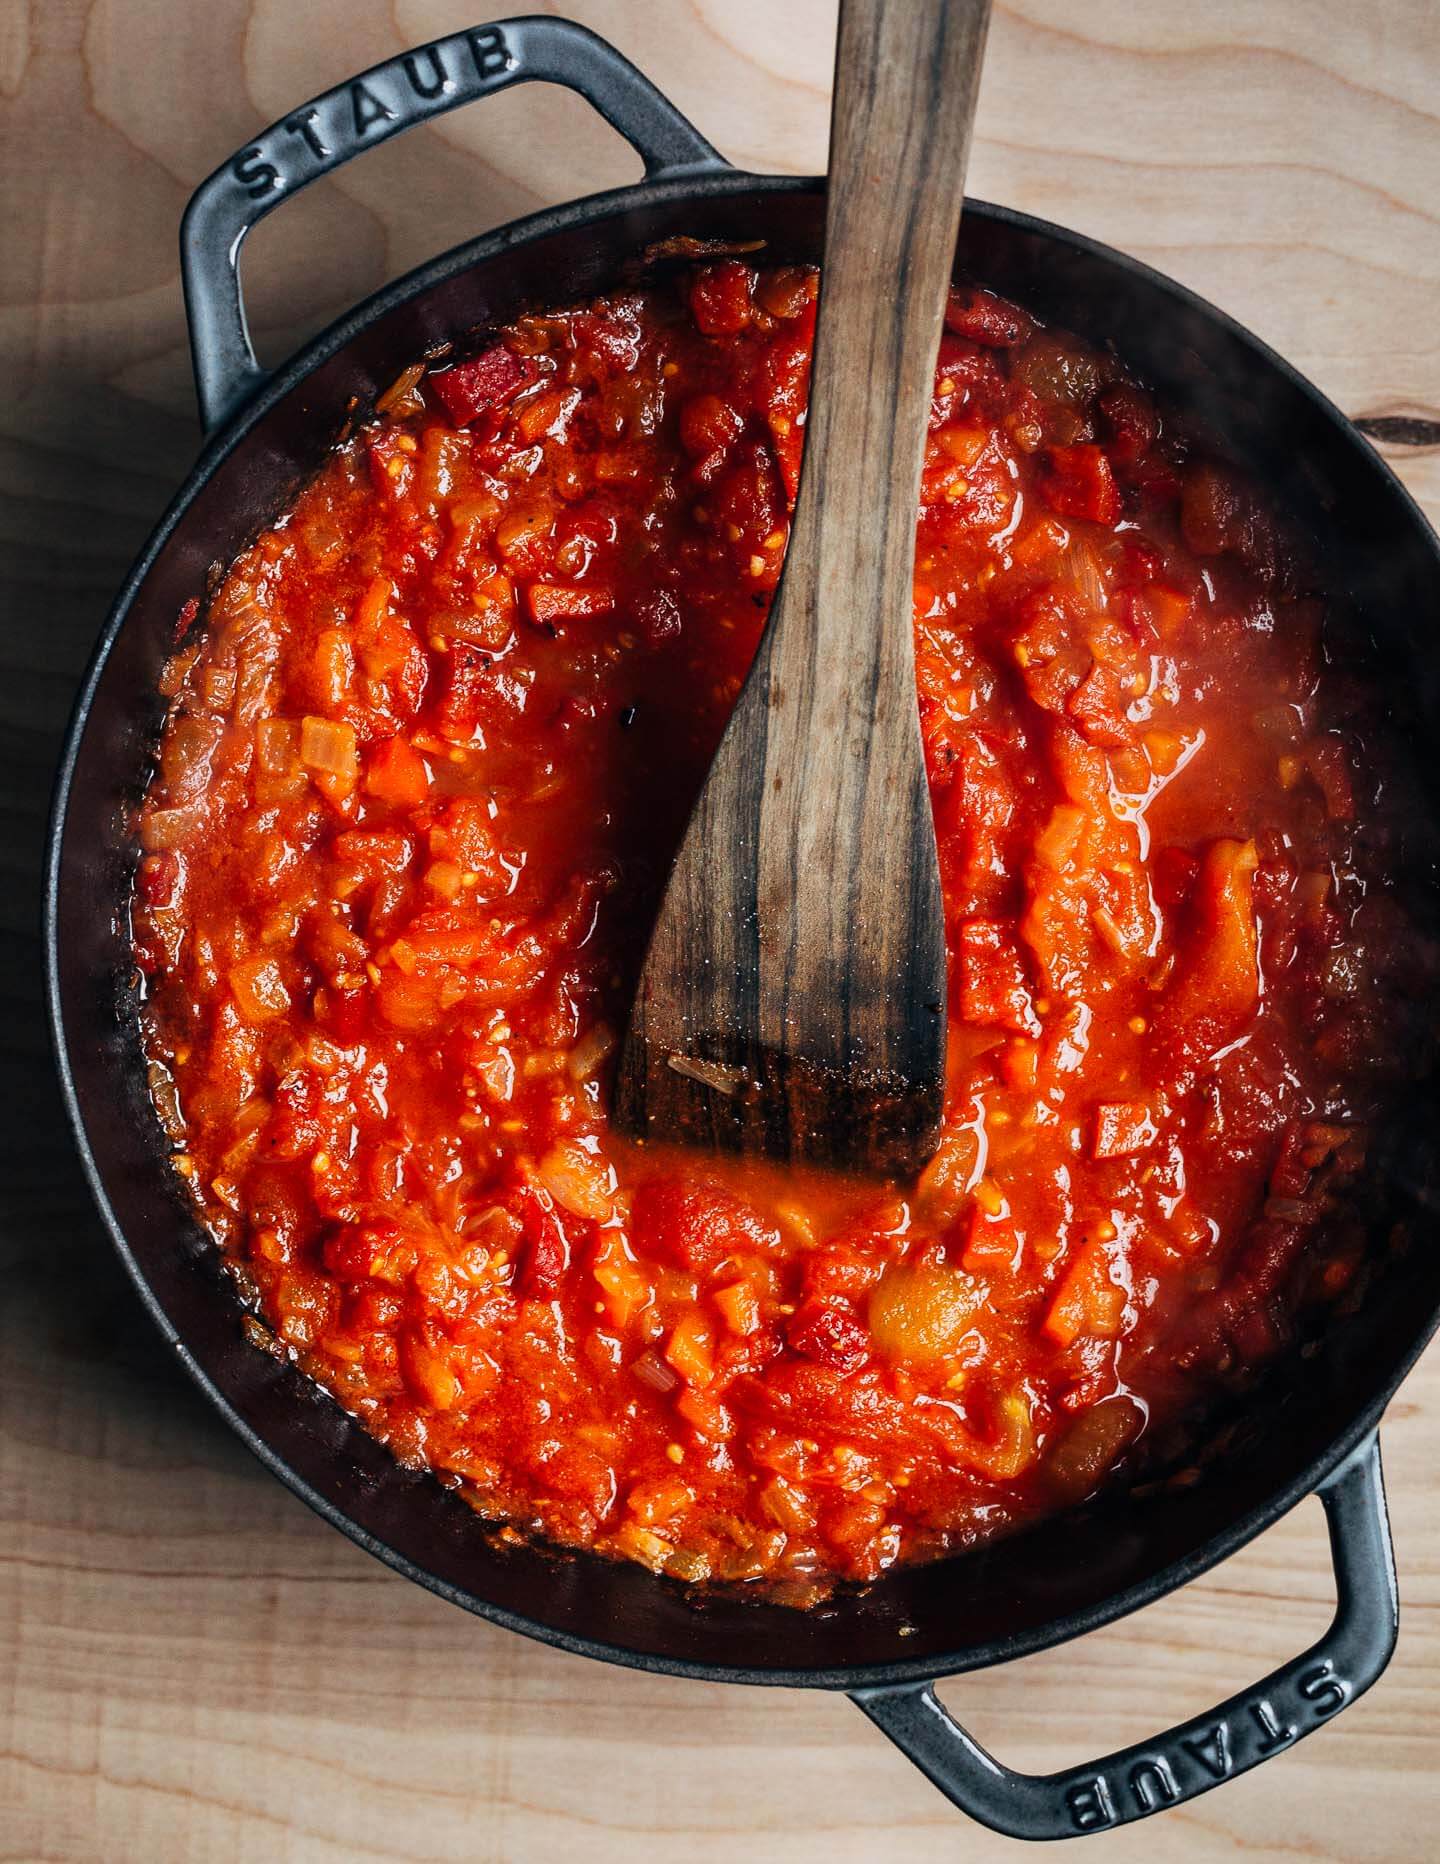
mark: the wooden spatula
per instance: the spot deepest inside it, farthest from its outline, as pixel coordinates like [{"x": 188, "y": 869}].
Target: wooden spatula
[{"x": 792, "y": 1001}]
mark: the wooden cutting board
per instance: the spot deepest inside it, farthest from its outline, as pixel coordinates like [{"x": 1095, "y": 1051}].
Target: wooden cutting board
[{"x": 191, "y": 1666}]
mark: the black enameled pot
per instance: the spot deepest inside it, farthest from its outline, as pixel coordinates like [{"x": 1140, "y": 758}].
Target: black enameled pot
[{"x": 1313, "y": 1428}]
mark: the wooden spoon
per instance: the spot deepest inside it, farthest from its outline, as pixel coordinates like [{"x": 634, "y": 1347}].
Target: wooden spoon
[{"x": 792, "y": 1000}]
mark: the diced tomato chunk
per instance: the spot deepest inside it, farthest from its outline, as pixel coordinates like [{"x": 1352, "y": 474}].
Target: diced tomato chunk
[
  {"x": 1132, "y": 421},
  {"x": 259, "y": 987},
  {"x": 396, "y": 773},
  {"x": 740, "y": 1306},
  {"x": 1098, "y": 707},
  {"x": 1216, "y": 989},
  {"x": 994, "y": 1246},
  {"x": 977, "y": 807},
  {"x": 1141, "y": 563},
  {"x": 554, "y": 602},
  {"x": 1167, "y": 610},
  {"x": 392, "y": 465},
  {"x": 830, "y": 1335},
  {"x": 1123, "y": 1127},
  {"x": 697, "y": 1224},
  {"x": 157, "y": 879},
  {"x": 475, "y": 692},
  {"x": 785, "y": 387},
  {"x": 1088, "y": 1300},
  {"x": 1080, "y": 484},
  {"x": 993, "y": 987},
  {"x": 747, "y": 504},
  {"x": 1329, "y": 764},
  {"x": 708, "y": 424},
  {"x": 485, "y": 384},
  {"x": 544, "y": 1246},
  {"x": 984, "y": 318},
  {"x": 690, "y": 1350},
  {"x": 720, "y": 298}
]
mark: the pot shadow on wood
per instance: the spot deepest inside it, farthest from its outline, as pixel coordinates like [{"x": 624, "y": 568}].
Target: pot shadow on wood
[{"x": 93, "y": 472}]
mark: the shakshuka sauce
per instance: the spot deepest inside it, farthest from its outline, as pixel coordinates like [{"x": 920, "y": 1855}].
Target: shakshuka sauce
[{"x": 424, "y": 768}]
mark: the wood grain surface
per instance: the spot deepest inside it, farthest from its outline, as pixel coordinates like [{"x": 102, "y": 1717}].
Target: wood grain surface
[{"x": 191, "y": 1666}]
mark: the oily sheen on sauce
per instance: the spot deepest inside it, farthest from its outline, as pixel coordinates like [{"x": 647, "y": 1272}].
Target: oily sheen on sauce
[{"x": 425, "y": 763}]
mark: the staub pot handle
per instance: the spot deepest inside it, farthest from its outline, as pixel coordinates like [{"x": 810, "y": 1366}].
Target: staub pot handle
[
  {"x": 380, "y": 103},
  {"x": 1260, "y": 1722}
]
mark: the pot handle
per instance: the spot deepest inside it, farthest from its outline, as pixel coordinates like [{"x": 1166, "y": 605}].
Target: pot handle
[
  {"x": 1291, "y": 1702},
  {"x": 411, "y": 88}
]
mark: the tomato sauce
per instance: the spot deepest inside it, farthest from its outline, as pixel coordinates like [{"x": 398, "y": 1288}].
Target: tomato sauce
[{"x": 425, "y": 765}]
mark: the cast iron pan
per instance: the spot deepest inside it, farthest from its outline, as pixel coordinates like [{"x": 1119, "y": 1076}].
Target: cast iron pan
[{"x": 1313, "y": 1429}]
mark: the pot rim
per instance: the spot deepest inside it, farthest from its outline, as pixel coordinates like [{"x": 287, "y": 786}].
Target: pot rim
[{"x": 723, "y": 181}]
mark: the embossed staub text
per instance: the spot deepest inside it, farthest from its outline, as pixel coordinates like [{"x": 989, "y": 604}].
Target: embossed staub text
[
  {"x": 1203, "y": 1754},
  {"x": 338, "y": 124}
]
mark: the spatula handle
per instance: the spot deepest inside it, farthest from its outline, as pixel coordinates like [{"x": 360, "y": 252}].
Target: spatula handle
[
  {"x": 906, "y": 77},
  {"x": 792, "y": 1000},
  {"x": 847, "y": 845}
]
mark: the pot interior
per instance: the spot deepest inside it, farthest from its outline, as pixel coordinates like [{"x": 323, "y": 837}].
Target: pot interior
[{"x": 1052, "y": 1580}]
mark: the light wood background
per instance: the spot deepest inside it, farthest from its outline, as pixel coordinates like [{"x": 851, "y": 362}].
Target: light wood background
[{"x": 191, "y": 1666}]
